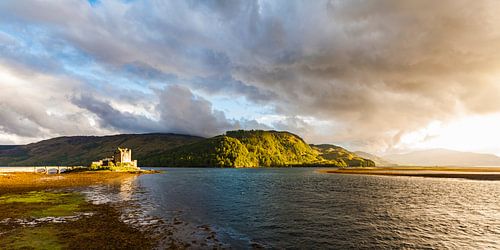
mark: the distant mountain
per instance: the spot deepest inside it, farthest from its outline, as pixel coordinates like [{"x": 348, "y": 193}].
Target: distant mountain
[
  {"x": 444, "y": 157},
  {"x": 379, "y": 161},
  {"x": 254, "y": 148}
]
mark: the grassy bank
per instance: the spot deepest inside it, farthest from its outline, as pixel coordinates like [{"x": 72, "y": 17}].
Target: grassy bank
[{"x": 473, "y": 173}]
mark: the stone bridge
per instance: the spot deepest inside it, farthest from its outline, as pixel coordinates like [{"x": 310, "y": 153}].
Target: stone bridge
[{"x": 40, "y": 169}]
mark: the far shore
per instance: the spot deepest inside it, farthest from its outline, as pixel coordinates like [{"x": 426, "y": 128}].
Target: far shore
[{"x": 472, "y": 173}]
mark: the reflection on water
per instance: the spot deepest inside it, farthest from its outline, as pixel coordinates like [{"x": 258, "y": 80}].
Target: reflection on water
[
  {"x": 299, "y": 208},
  {"x": 122, "y": 191},
  {"x": 138, "y": 210},
  {"x": 132, "y": 200},
  {"x": 126, "y": 188}
]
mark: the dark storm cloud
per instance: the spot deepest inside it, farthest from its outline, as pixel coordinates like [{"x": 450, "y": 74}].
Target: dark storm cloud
[
  {"x": 225, "y": 84},
  {"x": 180, "y": 112},
  {"x": 113, "y": 118},
  {"x": 370, "y": 71},
  {"x": 383, "y": 68}
]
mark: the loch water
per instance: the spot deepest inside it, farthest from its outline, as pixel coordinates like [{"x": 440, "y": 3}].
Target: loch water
[{"x": 301, "y": 208}]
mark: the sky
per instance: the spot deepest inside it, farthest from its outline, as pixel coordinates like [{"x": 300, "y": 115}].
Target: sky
[{"x": 382, "y": 76}]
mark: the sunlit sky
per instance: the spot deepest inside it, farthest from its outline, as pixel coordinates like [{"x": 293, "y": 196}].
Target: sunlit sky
[{"x": 379, "y": 76}]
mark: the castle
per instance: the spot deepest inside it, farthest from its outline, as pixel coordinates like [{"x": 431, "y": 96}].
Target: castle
[{"x": 121, "y": 157}]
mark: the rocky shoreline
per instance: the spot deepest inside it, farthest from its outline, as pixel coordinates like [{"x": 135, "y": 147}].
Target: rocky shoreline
[
  {"x": 88, "y": 210},
  {"x": 38, "y": 211}
]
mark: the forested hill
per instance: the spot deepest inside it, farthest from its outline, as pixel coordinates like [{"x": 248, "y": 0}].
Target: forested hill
[
  {"x": 254, "y": 148},
  {"x": 332, "y": 152}
]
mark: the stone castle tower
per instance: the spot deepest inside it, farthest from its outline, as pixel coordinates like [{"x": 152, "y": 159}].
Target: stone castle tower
[{"x": 123, "y": 155}]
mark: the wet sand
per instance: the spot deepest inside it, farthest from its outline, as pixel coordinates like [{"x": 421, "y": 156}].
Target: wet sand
[{"x": 472, "y": 173}]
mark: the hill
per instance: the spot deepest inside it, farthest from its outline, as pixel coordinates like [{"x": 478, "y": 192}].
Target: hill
[
  {"x": 379, "y": 161},
  {"x": 255, "y": 148},
  {"x": 81, "y": 150},
  {"x": 444, "y": 157},
  {"x": 336, "y": 153}
]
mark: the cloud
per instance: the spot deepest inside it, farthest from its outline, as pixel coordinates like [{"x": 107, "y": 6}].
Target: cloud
[
  {"x": 370, "y": 71},
  {"x": 381, "y": 69},
  {"x": 183, "y": 112},
  {"x": 33, "y": 104},
  {"x": 112, "y": 118},
  {"x": 295, "y": 124},
  {"x": 180, "y": 111}
]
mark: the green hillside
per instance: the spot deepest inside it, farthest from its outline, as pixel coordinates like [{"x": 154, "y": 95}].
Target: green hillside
[
  {"x": 244, "y": 149},
  {"x": 254, "y": 148},
  {"x": 332, "y": 152},
  {"x": 219, "y": 151},
  {"x": 81, "y": 150}
]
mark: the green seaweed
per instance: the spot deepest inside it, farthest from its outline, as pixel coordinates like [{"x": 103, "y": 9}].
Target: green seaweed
[
  {"x": 41, "y": 204},
  {"x": 44, "y": 237},
  {"x": 102, "y": 230},
  {"x": 58, "y": 210},
  {"x": 31, "y": 197}
]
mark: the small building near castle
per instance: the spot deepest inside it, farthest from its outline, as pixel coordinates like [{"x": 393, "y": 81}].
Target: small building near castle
[{"x": 122, "y": 157}]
